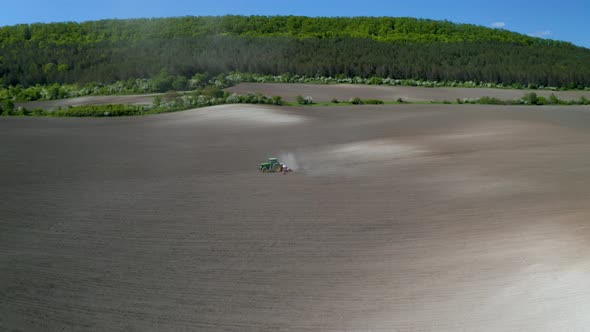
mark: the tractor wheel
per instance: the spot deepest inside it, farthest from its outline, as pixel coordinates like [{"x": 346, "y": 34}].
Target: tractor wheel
[
  {"x": 277, "y": 168},
  {"x": 264, "y": 170}
]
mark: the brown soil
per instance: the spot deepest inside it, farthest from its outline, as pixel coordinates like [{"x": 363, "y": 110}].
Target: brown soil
[{"x": 397, "y": 217}]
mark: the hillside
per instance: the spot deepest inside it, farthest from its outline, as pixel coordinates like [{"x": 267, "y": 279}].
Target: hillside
[{"x": 110, "y": 50}]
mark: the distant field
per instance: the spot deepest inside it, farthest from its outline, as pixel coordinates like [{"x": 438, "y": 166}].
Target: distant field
[
  {"x": 321, "y": 92},
  {"x": 397, "y": 217},
  {"x": 90, "y": 100},
  {"x": 325, "y": 93}
]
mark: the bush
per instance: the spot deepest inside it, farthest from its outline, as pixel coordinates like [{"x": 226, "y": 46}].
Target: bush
[
  {"x": 197, "y": 80},
  {"x": 542, "y": 100},
  {"x": 553, "y": 100},
  {"x": 489, "y": 101},
  {"x": 307, "y": 100},
  {"x": 180, "y": 83},
  {"x": 100, "y": 111},
  {"x": 373, "y": 101},
  {"x": 335, "y": 100},
  {"x": 400, "y": 100},
  {"x": 530, "y": 98},
  {"x": 6, "y": 107},
  {"x": 162, "y": 82},
  {"x": 356, "y": 101},
  {"x": 233, "y": 99},
  {"x": 277, "y": 100},
  {"x": 375, "y": 80},
  {"x": 157, "y": 101},
  {"x": 212, "y": 91},
  {"x": 52, "y": 92},
  {"x": 584, "y": 101},
  {"x": 21, "y": 111}
]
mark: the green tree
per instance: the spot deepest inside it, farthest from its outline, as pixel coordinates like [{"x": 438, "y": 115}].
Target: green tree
[
  {"x": 162, "y": 82},
  {"x": 180, "y": 83},
  {"x": 49, "y": 68},
  {"x": 52, "y": 92},
  {"x": 197, "y": 80},
  {"x": 6, "y": 107}
]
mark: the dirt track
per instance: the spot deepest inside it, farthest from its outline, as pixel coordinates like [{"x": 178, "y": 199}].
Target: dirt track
[
  {"x": 325, "y": 92},
  {"x": 409, "y": 217}
]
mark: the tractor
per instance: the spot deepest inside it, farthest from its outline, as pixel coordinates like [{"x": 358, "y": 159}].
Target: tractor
[{"x": 273, "y": 166}]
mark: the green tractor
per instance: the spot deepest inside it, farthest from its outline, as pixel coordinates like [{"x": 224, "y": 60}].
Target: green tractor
[{"x": 273, "y": 166}]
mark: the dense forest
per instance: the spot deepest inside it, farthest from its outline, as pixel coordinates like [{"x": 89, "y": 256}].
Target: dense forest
[{"x": 110, "y": 50}]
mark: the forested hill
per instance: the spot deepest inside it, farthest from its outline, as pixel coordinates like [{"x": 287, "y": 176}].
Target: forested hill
[
  {"x": 110, "y": 50},
  {"x": 376, "y": 28}
]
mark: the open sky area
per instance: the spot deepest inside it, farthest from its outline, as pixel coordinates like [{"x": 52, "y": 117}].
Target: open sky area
[{"x": 562, "y": 20}]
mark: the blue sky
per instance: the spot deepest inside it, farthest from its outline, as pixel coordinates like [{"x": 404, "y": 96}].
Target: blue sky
[{"x": 562, "y": 20}]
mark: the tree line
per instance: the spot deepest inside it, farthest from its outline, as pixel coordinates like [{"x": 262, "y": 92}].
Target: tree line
[{"x": 400, "y": 48}]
